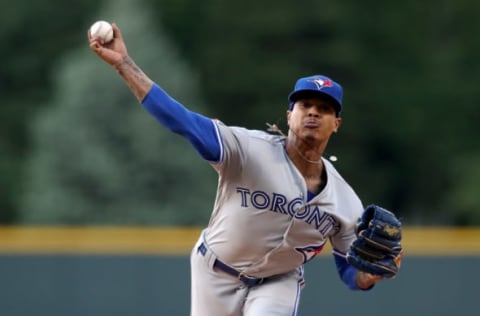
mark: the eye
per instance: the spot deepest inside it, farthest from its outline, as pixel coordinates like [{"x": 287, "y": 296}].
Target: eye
[
  {"x": 320, "y": 106},
  {"x": 325, "y": 108},
  {"x": 302, "y": 104}
]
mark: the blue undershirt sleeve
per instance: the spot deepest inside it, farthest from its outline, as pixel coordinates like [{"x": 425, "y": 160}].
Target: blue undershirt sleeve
[
  {"x": 347, "y": 273},
  {"x": 199, "y": 130}
]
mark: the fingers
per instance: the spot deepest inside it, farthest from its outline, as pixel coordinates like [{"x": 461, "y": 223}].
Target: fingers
[
  {"x": 365, "y": 280},
  {"x": 93, "y": 42},
  {"x": 374, "y": 277},
  {"x": 116, "y": 31},
  {"x": 95, "y": 46}
]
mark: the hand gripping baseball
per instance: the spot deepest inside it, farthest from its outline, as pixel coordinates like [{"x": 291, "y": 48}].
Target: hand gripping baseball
[{"x": 113, "y": 52}]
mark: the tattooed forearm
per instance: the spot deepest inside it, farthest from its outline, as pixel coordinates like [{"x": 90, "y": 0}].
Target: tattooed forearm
[{"x": 135, "y": 78}]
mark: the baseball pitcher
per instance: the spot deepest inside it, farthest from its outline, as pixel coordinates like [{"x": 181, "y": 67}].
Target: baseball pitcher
[{"x": 278, "y": 200}]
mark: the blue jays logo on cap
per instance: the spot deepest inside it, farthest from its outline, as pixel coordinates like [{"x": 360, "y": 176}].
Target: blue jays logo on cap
[
  {"x": 317, "y": 86},
  {"x": 322, "y": 83}
]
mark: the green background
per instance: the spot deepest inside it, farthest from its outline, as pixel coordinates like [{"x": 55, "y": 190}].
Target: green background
[{"x": 77, "y": 149}]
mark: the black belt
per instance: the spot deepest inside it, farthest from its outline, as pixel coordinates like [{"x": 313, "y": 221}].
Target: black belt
[{"x": 248, "y": 281}]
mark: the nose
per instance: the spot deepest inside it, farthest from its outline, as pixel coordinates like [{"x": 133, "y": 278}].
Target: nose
[{"x": 313, "y": 112}]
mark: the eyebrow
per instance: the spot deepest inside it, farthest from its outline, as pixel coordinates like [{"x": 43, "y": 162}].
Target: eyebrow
[{"x": 321, "y": 103}]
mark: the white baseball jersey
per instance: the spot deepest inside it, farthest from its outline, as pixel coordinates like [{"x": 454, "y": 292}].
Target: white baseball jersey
[{"x": 262, "y": 223}]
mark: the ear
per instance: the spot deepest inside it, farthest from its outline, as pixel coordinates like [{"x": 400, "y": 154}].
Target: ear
[{"x": 338, "y": 122}]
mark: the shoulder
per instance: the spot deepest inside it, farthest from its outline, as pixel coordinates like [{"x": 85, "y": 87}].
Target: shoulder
[
  {"x": 239, "y": 132},
  {"x": 240, "y": 144}
]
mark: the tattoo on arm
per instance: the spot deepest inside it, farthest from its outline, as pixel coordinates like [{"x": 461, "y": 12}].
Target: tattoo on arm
[{"x": 134, "y": 77}]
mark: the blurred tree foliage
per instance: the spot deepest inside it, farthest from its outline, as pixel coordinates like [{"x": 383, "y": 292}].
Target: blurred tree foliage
[
  {"x": 34, "y": 36},
  {"x": 409, "y": 70},
  {"x": 99, "y": 158}
]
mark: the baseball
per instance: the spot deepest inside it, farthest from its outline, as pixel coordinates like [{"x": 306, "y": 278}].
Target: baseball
[{"x": 102, "y": 30}]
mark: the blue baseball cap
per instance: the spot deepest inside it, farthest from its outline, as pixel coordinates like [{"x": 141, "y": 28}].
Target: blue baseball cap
[{"x": 317, "y": 86}]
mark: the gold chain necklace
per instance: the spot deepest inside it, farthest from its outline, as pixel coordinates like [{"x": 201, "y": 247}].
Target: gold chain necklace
[{"x": 319, "y": 161}]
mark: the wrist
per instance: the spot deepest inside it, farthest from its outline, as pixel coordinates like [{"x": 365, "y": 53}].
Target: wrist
[
  {"x": 124, "y": 61},
  {"x": 139, "y": 83}
]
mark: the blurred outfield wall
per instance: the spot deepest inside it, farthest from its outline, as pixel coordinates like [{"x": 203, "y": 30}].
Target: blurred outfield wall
[{"x": 97, "y": 271}]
